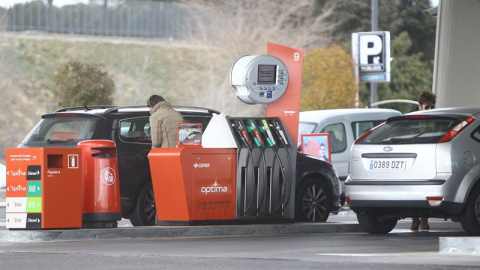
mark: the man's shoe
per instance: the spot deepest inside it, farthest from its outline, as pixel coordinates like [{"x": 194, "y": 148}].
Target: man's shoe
[
  {"x": 424, "y": 224},
  {"x": 415, "y": 224}
]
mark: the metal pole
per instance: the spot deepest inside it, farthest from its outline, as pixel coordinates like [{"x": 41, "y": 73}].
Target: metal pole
[
  {"x": 374, "y": 15},
  {"x": 373, "y": 85}
]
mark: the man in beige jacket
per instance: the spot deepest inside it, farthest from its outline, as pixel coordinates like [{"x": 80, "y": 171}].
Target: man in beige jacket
[{"x": 164, "y": 122}]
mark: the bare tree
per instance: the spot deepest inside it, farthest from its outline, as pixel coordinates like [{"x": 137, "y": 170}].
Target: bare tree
[
  {"x": 249, "y": 24},
  {"x": 230, "y": 29}
]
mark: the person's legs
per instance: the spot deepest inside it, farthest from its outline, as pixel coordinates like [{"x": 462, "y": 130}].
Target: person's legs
[
  {"x": 415, "y": 224},
  {"x": 424, "y": 223}
]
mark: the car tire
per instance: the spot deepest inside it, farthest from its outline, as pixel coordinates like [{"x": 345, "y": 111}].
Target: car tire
[
  {"x": 313, "y": 201},
  {"x": 470, "y": 219},
  {"x": 144, "y": 213},
  {"x": 375, "y": 225}
]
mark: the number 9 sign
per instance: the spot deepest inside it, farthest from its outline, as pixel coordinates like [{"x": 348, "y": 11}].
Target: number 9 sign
[{"x": 296, "y": 56}]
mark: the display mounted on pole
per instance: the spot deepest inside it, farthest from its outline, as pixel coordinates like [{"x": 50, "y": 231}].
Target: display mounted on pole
[
  {"x": 371, "y": 53},
  {"x": 259, "y": 79}
]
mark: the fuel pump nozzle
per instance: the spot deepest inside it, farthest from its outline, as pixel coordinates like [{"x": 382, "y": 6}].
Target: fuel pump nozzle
[
  {"x": 279, "y": 131},
  {"x": 270, "y": 142},
  {"x": 257, "y": 138},
  {"x": 242, "y": 134},
  {"x": 267, "y": 133}
]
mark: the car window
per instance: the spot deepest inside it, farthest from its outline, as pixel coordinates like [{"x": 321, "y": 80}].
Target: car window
[
  {"x": 204, "y": 119},
  {"x": 361, "y": 127},
  {"x": 476, "y": 134},
  {"x": 305, "y": 128},
  {"x": 410, "y": 131},
  {"x": 135, "y": 130},
  {"x": 338, "y": 138},
  {"x": 61, "y": 129}
]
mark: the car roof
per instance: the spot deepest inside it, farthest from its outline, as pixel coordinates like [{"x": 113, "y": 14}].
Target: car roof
[
  {"x": 106, "y": 109},
  {"x": 450, "y": 111},
  {"x": 375, "y": 113}
]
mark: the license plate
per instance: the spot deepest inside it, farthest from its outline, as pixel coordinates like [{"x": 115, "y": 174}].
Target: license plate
[{"x": 388, "y": 164}]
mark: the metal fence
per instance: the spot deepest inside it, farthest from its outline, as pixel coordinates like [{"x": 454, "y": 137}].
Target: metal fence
[{"x": 129, "y": 19}]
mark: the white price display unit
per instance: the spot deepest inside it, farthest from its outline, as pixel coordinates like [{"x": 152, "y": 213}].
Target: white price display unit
[{"x": 259, "y": 79}]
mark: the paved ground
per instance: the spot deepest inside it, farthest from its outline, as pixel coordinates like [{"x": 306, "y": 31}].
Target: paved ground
[{"x": 344, "y": 221}]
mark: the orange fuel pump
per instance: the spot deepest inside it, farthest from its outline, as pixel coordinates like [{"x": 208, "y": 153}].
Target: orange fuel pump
[{"x": 193, "y": 184}]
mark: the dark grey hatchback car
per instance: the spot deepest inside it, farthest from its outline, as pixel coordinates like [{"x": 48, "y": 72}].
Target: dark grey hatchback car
[{"x": 317, "y": 184}]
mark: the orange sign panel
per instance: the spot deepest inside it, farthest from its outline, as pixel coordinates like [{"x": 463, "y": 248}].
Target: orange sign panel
[
  {"x": 288, "y": 106},
  {"x": 42, "y": 190}
]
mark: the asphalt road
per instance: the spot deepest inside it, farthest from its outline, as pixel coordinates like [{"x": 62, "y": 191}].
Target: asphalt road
[{"x": 400, "y": 249}]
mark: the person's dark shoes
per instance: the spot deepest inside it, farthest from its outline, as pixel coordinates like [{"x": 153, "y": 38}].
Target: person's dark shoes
[
  {"x": 424, "y": 224},
  {"x": 415, "y": 224}
]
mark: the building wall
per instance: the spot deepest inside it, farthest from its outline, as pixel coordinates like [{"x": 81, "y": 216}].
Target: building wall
[{"x": 456, "y": 78}]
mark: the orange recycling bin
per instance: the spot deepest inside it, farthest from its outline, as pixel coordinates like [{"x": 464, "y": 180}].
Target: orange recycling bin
[
  {"x": 101, "y": 187},
  {"x": 43, "y": 188},
  {"x": 193, "y": 185}
]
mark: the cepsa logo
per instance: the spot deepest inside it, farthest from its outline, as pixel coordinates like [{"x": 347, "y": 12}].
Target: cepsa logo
[
  {"x": 215, "y": 188},
  {"x": 201, "y": 165}
]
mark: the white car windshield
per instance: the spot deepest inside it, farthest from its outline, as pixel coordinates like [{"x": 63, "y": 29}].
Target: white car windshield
[{"x": 409, "y": 130}]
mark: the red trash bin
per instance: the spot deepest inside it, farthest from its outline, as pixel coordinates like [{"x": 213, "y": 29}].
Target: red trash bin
[{"x": 101, "y": 189}]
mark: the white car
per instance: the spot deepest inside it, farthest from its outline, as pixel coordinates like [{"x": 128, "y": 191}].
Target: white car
[{"x": 344, "y": 127}]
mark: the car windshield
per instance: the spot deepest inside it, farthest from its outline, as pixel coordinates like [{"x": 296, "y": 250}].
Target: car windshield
[
  {"x": 306, "y": 128},
  {"x": 59, "y": 130},
  {"x": 410, "y": 131}
]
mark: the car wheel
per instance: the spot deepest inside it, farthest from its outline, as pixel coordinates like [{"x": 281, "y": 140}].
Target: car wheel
[
  {"x": 144, "y": 213},
  {"x": 376, "y": 225},
  {"x": 470, "y": 218},
  {"x": 312, "y": 202}
]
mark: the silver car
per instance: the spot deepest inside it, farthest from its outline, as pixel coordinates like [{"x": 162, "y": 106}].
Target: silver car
[{"x": 421, "y": 164}]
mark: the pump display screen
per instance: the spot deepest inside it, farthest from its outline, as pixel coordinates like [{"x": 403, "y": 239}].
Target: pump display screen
[{"x": 267, "y": 74}]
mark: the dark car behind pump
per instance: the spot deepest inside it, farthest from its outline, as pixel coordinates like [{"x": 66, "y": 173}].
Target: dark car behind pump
[{"x": 317, "y": 192}]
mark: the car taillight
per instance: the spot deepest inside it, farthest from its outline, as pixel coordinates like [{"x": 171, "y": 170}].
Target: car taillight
[
  {"x": 368, "y": 132},
  {"x": 348, "y": 200},
  {"x": 456, "y": 130}
]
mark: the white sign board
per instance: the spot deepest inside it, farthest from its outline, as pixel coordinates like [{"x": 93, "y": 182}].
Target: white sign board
[{"x": 371, "y": 53}]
